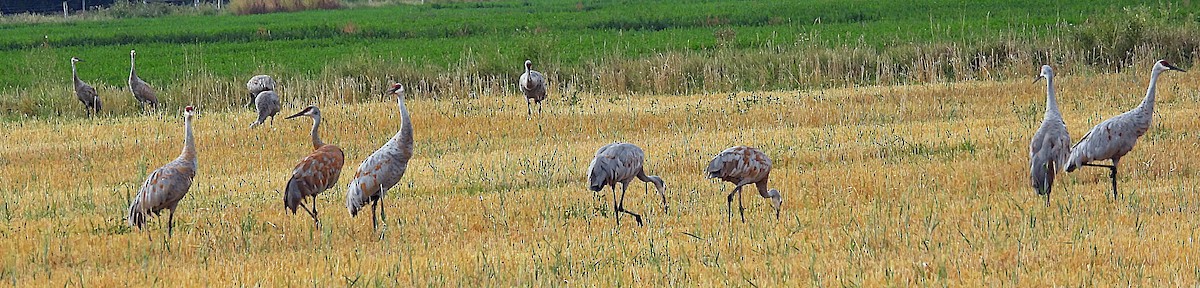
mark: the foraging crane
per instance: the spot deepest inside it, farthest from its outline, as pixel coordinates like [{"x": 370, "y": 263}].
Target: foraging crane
[
  {"x": 743, "y": 165},
  {"x": 621, "y": 163},
  {"x": 316, "y": 173},
  {"x": 1051, "y": 144},
  {"x": 85, "y": 92},
  {"x": 533, "y": 85},
  {"x": 167, "y": 185},
  {"x": 267, "y": 104},
  {"x": 384, "y": 168},
  {"x": 1113, "y": 138},
  {"x": 141, "y": 91},
  {"x": 258, "y": 84}
]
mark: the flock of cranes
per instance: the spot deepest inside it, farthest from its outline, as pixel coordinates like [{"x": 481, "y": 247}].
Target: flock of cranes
[
  {"x": 615, "y": 163},
  {"x": 1109, "y": 140}
]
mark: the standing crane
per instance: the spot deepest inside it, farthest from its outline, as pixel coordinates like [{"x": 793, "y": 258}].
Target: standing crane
[
  {"x": 141, "y": 91},
  {"x": 317, "y": 172},
  {"x": 258, "y": 84},
  {"x": 167, "y": 185},
  {"x": 267, "y": 104},
  {"x": 384, "y": 168},
  {"x": 743, "y": 165},
  {"x": 85, "y": 92},
  {"x": 620, "y": 163},
  {"x": 533, "y": 85},
  {"x": 1115, "y": 137},
  {"x": 1050, "y": 146}
]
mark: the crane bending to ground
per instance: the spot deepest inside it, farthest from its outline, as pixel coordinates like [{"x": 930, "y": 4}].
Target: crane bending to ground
[
  {"x": 621, "y": 163},
  {"x": 167, "y": 185},
  {"x": 384, "y": 168},
  {"x": 743, "y": 165},
  {"x": 1051, "y": 144},
  {"x": 141, "y": 91},
  {"x": 267, "y": 104},
  {"x": 533, "y": 85},
  {"x": 316, "y": 173},
  {"x": 258, "y": 84},
  {"x": 84, "y": 92},
  {"x": 1115, "y": 137}
]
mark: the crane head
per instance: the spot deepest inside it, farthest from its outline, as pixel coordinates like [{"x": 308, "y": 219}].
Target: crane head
[
  {"x": 1047, "y": 72},
  {"x": 310, "y": 111},
  {"x": 75, "y": 59},
  {"x": 396, "y": 89},
  {"x": 1163, "y": 65},
  {"x": 528, "y": 64},
  {"x": 189, "y": 111},
  {"x": 132, "y": 53}
]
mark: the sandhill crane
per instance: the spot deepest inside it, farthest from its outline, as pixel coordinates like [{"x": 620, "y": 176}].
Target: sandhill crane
[
  {"x": 167, "y": 185},
  {"x": 1113, "y": 138},
  {"x": 267, "y": 104},
  {"x": 141, "y": 91},
  {"x": 1050, "y": 146},
  {"x": 85, "y": 92},
  {"x": 384, "y": 168},
  {"x": 258, "y": 84},
  {"x": 743, "y": 165},
  {"x": 621, "y": 163},
  {"x": 317, "y": 172},
  {"x": 533, "y": 85}
]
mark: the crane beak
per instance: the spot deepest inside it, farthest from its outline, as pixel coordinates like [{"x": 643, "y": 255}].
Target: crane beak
[
  {"x": 301, "y": 113},
  {"x": 1039, "y": 77},
  {"x": 1175, "y": 68}
]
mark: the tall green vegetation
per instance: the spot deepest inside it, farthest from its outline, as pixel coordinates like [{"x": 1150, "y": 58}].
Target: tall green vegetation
[{"x": 452, "y": 49}]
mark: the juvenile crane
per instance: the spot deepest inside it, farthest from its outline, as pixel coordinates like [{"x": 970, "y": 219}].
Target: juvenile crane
[
  {"x": 1050, "y": 146},
  {"x": 316, "y": 173},
  {"x": 141, "y": 91},
  {"x": 267, "y": 104},
  {"x": 1115, "y": 137},
  {"x": 384, "y": 168},
  {"x": 621, "y": 163},
  {"x": 533, "y": 85},
  {"x": 743, "y": 165},
  {"x": 167, "y": 185},
  {"x": 84, "y": 92},
  {"x": 258, "y": 84}
]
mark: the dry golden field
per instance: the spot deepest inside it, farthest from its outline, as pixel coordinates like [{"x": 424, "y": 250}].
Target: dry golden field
[{"x": 883, "y": 186}]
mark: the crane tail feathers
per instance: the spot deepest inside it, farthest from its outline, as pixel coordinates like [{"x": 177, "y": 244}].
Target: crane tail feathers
[{"x": 136, "y": 217}]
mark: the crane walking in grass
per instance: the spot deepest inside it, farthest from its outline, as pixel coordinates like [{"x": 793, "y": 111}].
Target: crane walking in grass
[
  {"x": 316, "y": 173},
  {"x": 84, "y": 92},
  {"x": 743, "y": 165},
  {"x": 384, "y": 168},
  {"x": 1050, "y": 146},
  {"x": 167, "y": 185},
  {"x": 258, "y": 84},
  {"x": 533, "y": 85},
  {"x": 1115, "y": 137},
  {"x": 267, "y": 104},
  {"x": 141, "y": 91},
  {"x": 621, "y": 163}
]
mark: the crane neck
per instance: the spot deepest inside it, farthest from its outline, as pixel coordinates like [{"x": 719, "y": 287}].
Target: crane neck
[
  {"x": 406, "y": 129},
  {"x": 1051, "y": 100},
  {"x": 189, "y": 141},
  {"x": 1148, "y": 102},
  {"x": 316, "y": 139},
  {"x": 131, "y": 66},
  {"x": 74, "y": 72}
]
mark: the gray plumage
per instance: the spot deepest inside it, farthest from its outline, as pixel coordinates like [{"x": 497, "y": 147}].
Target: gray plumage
[
  {"x": 258, "y": 84},
  {"x": 384, "y": 168},
  {"x": 533, "y": 85},
  {"x": 1115, "y": 137},
  {"x": 141, "y": 91},
  {"x": 1050, "y": 146},
  {"x": 267, "y": 104},
  {"x": 743, "y": 165},
  {"x": 167, "y": 185},
  {"x": 621, "y": 163},
  {"x": 84, "y": 92}
]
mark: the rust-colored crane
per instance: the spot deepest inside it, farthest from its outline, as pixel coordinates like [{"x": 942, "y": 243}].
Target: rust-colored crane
[
  {"x": 316, "y": 173},
  {"x": 743, "y": 165}
]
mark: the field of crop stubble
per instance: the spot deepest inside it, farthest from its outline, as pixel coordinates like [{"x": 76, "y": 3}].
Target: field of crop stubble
[
  {"x": 907, "y": 184},
  {"x": 883, "y": 185}
]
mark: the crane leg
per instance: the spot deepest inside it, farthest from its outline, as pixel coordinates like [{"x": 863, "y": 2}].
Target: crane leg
[
  {"x": 621, "y": 207},
  {"x": 616, "y": 207},
  {"x": 373, "y": 225},
  {"x": 314, "y": 212},
  {"x": 171, "y": 223},
  {"x": 1112, "y": 174},
  {"x": 729, "y": 202},
  {"x": 741, "y": 209},
  {"x": 529, "y": 109}
]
